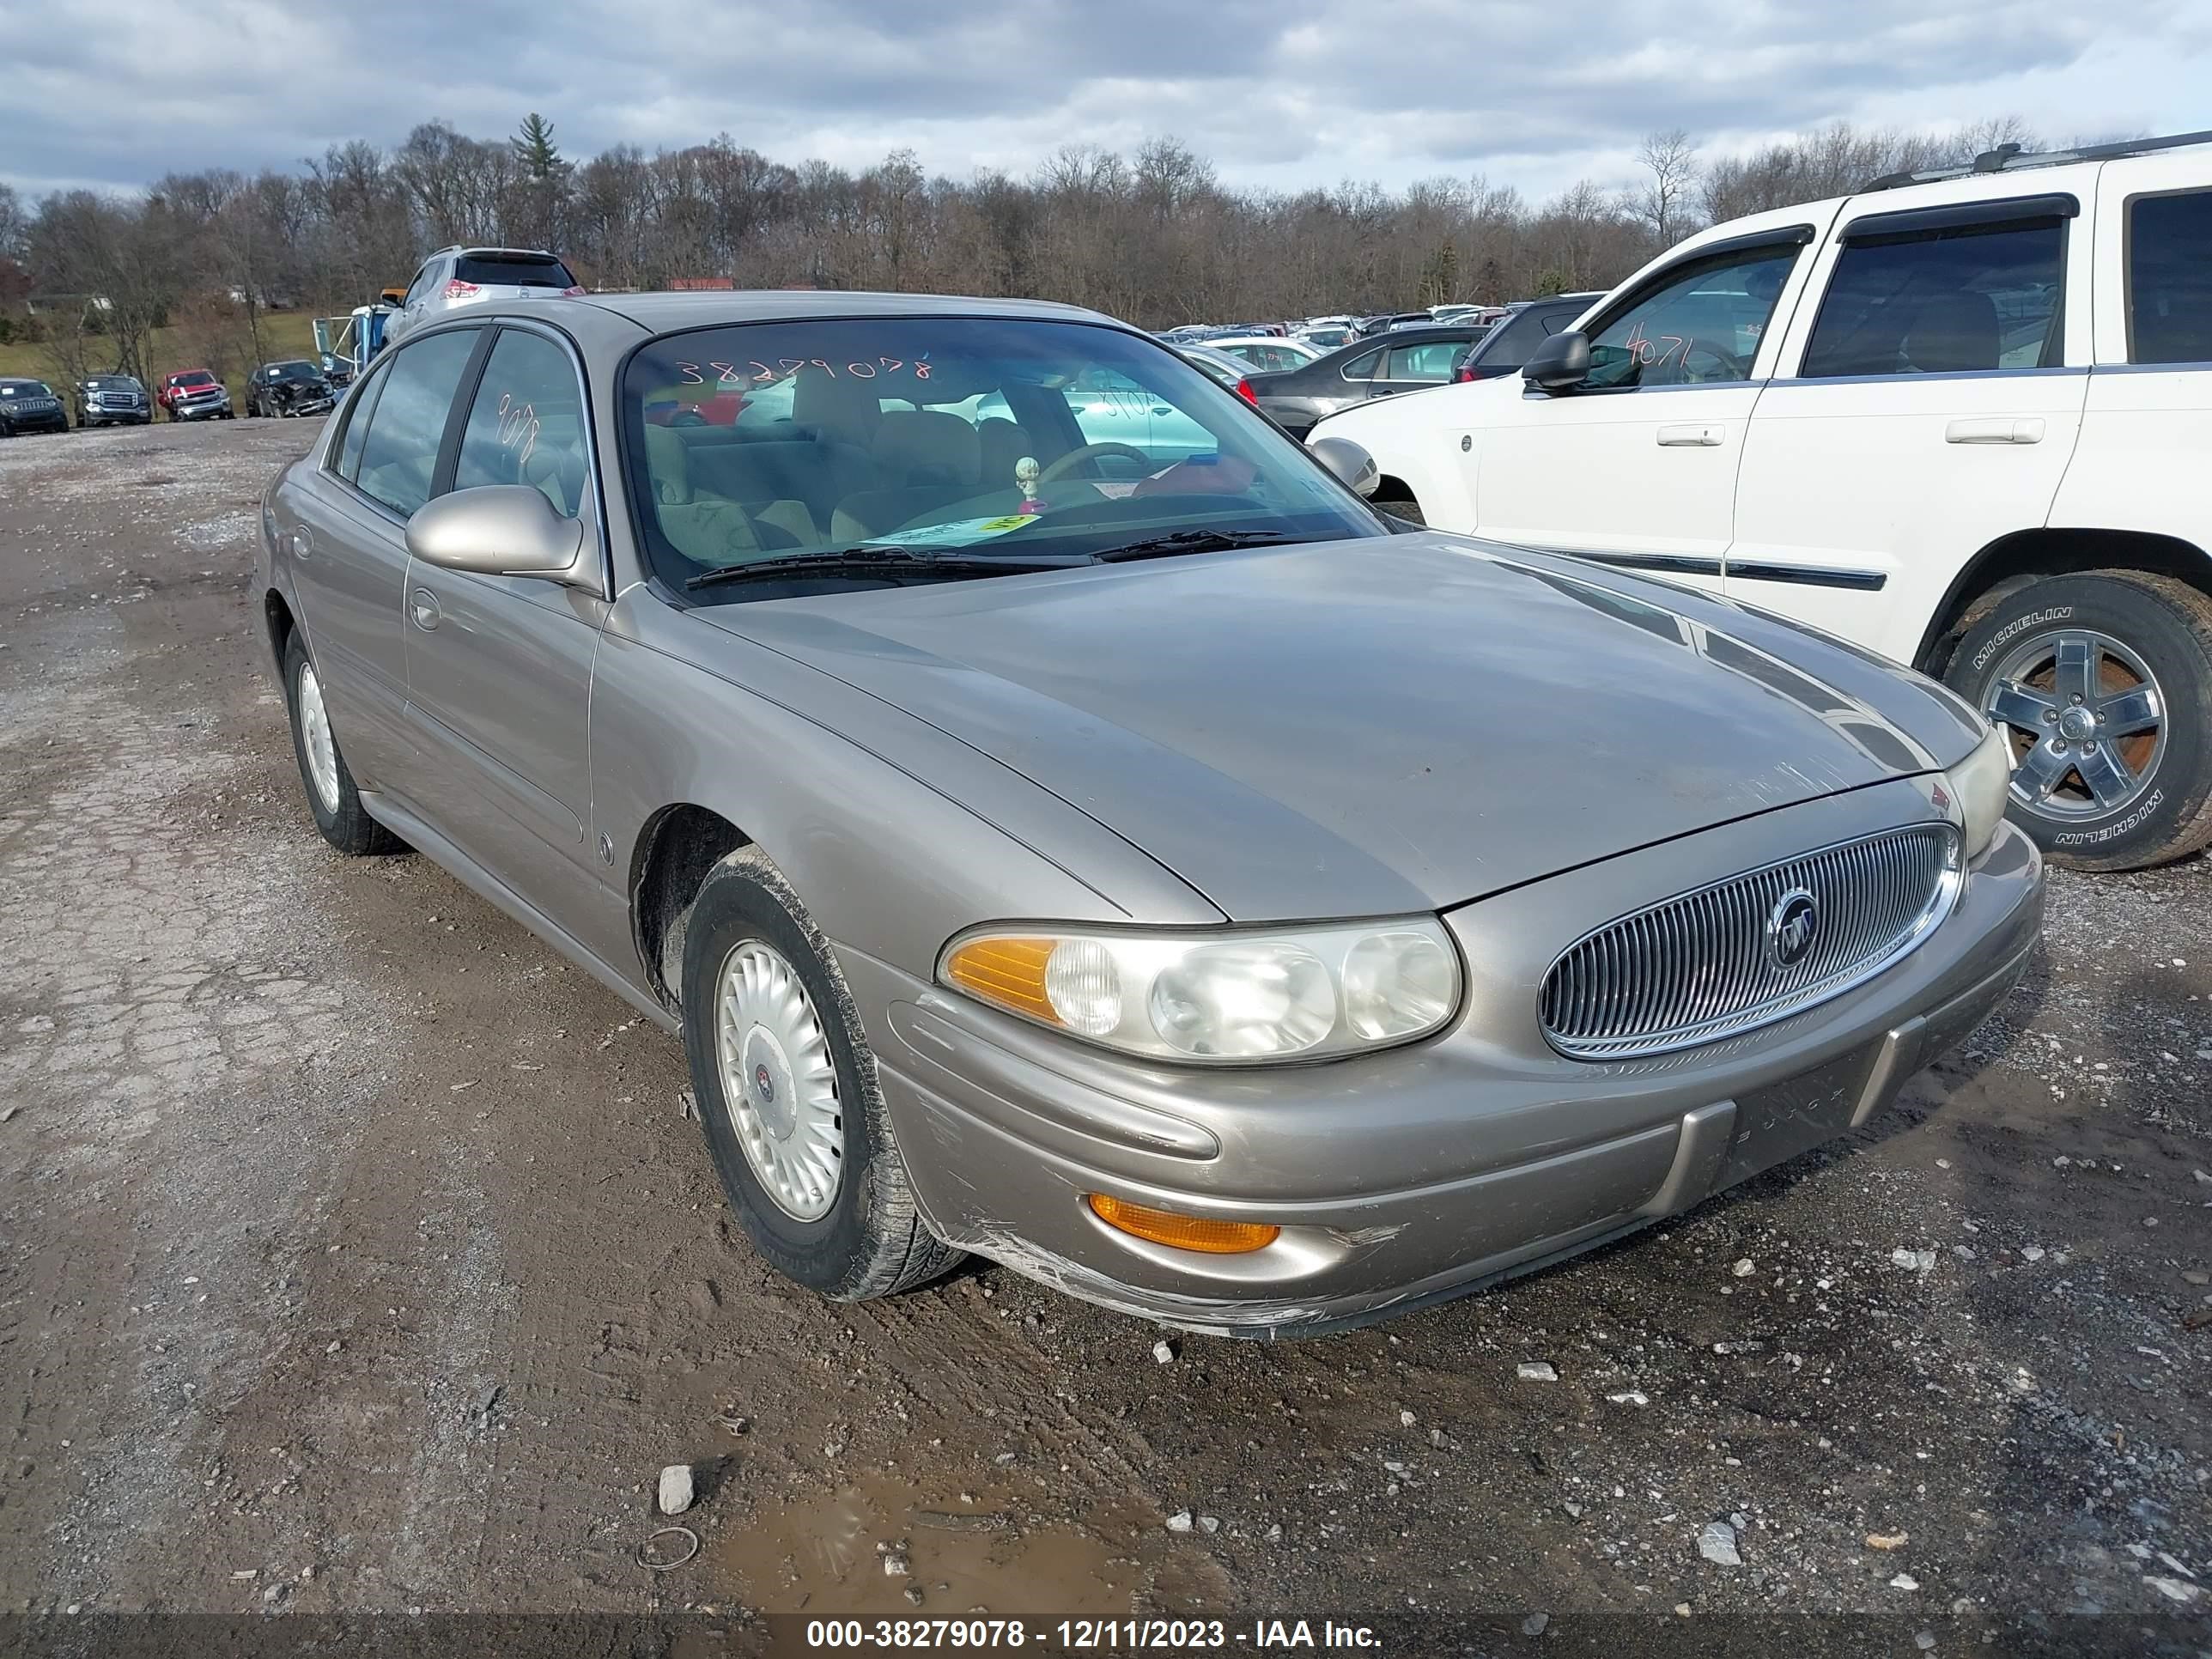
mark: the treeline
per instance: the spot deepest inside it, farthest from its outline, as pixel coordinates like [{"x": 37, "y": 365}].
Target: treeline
[{"x": 1155, "y": 236}]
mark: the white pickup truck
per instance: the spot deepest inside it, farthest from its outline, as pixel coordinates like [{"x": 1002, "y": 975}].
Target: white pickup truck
[{"x": 1962, "y": 418}]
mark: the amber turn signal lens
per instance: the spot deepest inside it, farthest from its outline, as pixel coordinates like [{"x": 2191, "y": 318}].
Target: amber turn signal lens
[
  {"x": 1007, "y": 972},
  {"x": 1182, "y": 1232}
]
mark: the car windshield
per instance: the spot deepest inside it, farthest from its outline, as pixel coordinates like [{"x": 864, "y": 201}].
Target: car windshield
[
  {"x": 197, "y": 378},
  {"x": 24, "y": 389},
  {"x": 293, "y": 371},
  {"x": 999, "y": 440}
]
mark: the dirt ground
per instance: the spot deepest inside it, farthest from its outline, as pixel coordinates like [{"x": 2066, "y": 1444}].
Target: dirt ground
[{"x": 356, "y": 1257}]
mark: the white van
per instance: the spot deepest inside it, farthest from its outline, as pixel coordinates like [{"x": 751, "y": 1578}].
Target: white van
[{"x": 1958, "y": 418}]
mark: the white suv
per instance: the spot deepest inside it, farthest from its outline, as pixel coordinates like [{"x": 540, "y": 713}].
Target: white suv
[
  {"x": 456, "y": 276},
  {"x": 1958, "y": 418}
]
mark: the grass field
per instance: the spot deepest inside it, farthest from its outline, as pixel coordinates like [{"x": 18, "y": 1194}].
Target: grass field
[{"x": 284, "y": 333}]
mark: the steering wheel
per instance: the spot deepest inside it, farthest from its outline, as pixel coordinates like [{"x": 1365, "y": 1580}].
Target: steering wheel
[
  {"x": 1074, "y": 457},
  {"x": 1734, "y": 367}
]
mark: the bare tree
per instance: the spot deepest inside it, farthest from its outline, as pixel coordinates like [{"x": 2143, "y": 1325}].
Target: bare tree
[
  {"x": 1670, "y": 160},
  {"x": 1154, "y": 236}
]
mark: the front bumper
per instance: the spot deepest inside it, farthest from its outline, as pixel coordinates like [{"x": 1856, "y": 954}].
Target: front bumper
[
  {"x": 40, "y": 420},
  {"x": 212, "y": 409},
  {"x": 1409, "y": 1177}
]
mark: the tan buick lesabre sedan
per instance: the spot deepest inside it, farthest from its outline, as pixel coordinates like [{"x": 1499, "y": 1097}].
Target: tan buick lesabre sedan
[{"x": 1067, "y": 824}]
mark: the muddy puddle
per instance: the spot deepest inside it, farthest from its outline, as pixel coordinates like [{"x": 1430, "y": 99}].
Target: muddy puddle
[{"x": 873, "y": 1547}]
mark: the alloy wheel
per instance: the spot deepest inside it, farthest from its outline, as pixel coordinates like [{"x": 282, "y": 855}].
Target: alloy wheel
[{"x": 2087, "y": 719}]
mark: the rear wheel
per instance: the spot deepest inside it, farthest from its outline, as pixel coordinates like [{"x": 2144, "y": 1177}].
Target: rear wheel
[
  {"x": 331, "y": 797},
  {"x": 2104, "y": 682},
  {"x": 787, "y": 1093}
]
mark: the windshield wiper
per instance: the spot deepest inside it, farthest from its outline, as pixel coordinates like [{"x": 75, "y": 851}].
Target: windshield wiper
[
  {"x": 1190, "y": 541},
  {"x": 886, "y": 561}
]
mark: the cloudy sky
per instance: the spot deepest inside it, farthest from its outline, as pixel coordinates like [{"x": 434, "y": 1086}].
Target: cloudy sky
[{"x": 1284, "y": 93}]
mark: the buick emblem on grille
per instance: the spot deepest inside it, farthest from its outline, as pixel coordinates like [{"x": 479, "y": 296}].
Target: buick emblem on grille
[{"x": 1791, "y": 927}]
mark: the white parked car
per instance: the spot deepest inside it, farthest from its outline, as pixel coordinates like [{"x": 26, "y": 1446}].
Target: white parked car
[
  {"x": 1268, "y": 352},
  {"x": 456, "y": 276},
  {"x": 1959, "y": 418}
]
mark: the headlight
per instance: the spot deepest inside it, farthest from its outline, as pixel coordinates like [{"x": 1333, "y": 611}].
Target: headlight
[
  {"x": 1983, "y": 784},
  {"x": 1283, "y": 994}
]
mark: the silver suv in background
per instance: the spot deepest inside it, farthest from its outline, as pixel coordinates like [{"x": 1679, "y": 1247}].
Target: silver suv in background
[{"x": 456, "y": 276}]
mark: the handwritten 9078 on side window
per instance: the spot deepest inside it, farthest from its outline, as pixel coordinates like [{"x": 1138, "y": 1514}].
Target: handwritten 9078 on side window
[{"x": 753, "y": 372}]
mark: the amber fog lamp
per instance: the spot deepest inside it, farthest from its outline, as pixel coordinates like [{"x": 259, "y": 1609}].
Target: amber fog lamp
[{"x": 1182, "y": 1232}]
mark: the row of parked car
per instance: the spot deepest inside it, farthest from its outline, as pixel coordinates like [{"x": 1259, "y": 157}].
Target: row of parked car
[
  {"x": 1297, "y": 381},
  {"x": 290, "y": 387}
]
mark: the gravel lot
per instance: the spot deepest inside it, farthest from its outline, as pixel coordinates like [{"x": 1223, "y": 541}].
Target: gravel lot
[{"x": 355, "y": 1255}]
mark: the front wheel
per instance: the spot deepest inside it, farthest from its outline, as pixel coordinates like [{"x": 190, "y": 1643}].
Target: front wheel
[
  {"x": 2104, "y": 682},
  {"x": 787, "y": 1093}
]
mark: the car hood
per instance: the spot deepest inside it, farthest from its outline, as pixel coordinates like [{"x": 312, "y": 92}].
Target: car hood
[{"x": 1364, "y": 727}]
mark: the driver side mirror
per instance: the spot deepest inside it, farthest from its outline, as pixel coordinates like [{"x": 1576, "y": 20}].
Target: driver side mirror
[
  {"x": 1561, "y": 363},
  {"x": 1354, "y": 466},
  {"x": 501, "y": 530}
]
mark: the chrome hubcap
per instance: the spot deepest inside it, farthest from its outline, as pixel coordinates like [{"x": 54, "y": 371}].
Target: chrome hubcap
[
  {"x": 322, "y": 748},
  {"x": 2087, "y": 722},
  {"x": 779, "y": 1084}
]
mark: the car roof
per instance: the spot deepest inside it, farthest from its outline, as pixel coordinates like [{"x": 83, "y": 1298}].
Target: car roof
[
  {"x": 534, "y": 253},
  {"x": 1197, "y": 349},
  {"x": 667, "y": 314},
  {"x": 1418, "y": 334}
]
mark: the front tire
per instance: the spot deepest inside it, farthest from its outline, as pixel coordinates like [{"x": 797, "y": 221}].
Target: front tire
[
  {"x": 331, "y": 797},
  {"x": 2104, "y": 680},
  {"x": 787, "y": 1093}
]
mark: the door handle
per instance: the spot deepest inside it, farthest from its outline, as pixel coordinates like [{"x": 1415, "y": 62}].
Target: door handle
[
  {"x": 422, "y": 605},
  {"x": 1691, "y": 437},
  {"x": 1999, "y": 430}
]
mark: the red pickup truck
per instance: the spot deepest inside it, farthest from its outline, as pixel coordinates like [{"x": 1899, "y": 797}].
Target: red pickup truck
[{"x": 193, "y": 394}]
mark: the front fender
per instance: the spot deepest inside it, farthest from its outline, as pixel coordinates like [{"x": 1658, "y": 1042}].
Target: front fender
[{"x": 1418, "y": 439}]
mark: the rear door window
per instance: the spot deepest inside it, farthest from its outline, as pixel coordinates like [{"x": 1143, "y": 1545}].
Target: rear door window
[
  {"x": 406, "y": 429},
  {"x": 1430, "y": 362},
  {"x": 420, "y": 287},
  {"x": 1364, "y": 367},
  {"x": 527, "y": 425},
  {"x": 2169, "y": 250},
  {"x": 347, "y": 461},
  {"x": 1950, "y": 302},
  {"x": 512, "y": 270}
]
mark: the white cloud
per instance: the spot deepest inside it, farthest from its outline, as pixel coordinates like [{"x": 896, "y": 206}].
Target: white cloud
[{"x": 1278, "y": 92}]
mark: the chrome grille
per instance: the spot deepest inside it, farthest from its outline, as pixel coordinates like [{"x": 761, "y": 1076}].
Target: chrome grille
[{"x": 1701, "y": 965}]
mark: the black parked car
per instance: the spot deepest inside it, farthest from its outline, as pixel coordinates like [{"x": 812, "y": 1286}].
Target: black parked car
[
  {"x": 294, "y": 386},
  {"x": 1404, "y": 359},
  {"x": 1513, "y": 342},
  {"x": 29, "y": 405},
  {"x": 112, "y": 400}
]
